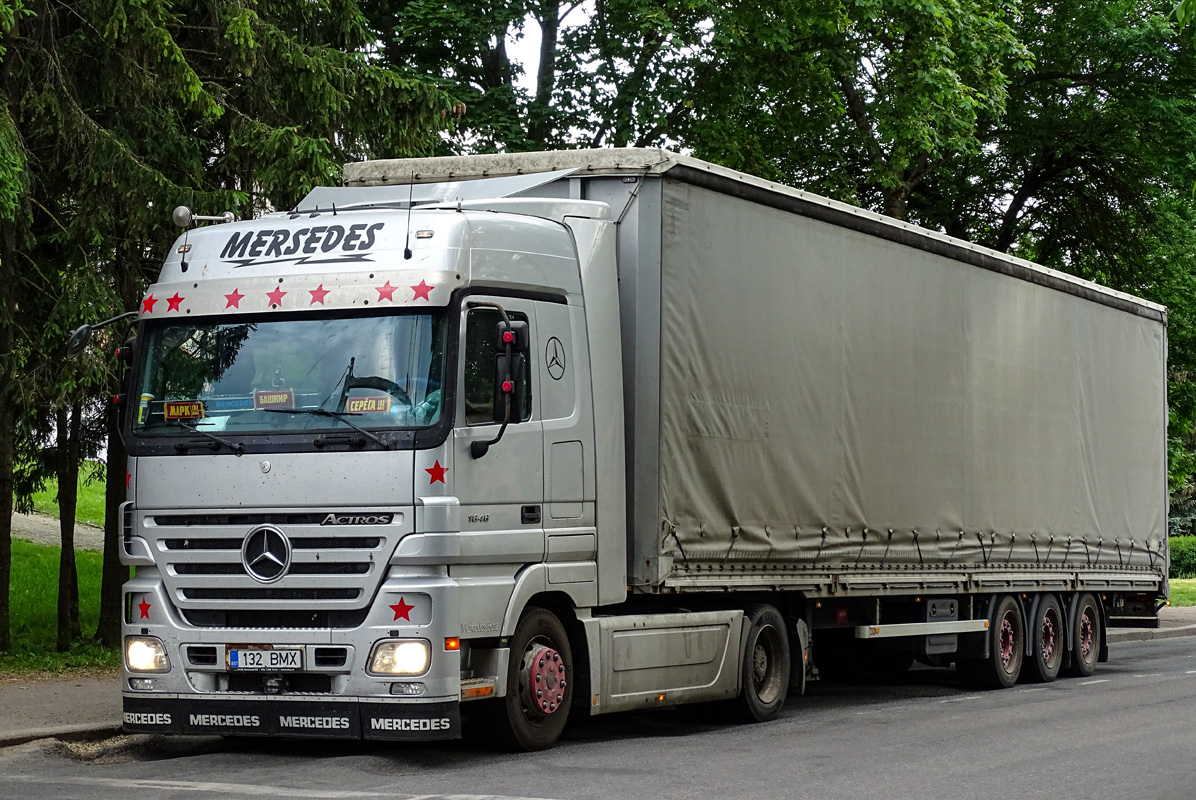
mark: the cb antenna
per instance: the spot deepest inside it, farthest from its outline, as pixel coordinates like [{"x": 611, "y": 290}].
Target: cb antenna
[{"x": 410, "y": 203}]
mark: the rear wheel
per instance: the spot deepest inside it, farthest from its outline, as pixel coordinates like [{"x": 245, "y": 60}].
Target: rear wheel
[
  {"x": 539, "y": 685},
  {"x": 1085, "y": 638},
  {"x": 765, "y": 667},
  {"x": 1007, "y": 643},
  {"x": 1049, "y": 643}
]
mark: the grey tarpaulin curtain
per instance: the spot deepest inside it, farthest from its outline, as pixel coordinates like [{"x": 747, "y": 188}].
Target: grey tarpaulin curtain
[{"x": 815, "y": 377}]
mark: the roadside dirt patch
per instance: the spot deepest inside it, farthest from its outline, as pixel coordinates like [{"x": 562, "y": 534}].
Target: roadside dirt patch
[{"x": 40, "y": 529}]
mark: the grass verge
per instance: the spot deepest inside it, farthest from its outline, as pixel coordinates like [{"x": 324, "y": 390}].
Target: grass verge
[
  {"x": 1183, "y": 591},
  {"x": 34, "y": 612},
  {"x": 91, "y": 497}
]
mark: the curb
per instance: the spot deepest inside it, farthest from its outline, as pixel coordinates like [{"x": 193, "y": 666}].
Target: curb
[
  {"x": 67, "y": 733},
  {"x": 1150, "y": 634}
]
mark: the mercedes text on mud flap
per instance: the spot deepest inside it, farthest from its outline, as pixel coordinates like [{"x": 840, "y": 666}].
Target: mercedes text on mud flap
[{"x": 579, "y": 433}]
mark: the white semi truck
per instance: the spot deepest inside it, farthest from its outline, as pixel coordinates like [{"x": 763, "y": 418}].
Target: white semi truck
[{"x": 512, "y": 438}]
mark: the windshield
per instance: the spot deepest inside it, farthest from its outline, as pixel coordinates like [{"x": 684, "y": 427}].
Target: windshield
[{"x": 286, "y": 375}]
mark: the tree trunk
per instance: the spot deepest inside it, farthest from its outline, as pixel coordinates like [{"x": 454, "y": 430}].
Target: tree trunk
[
  {"x": 68, "y": 423},
  {"x": 115, "y": 573}
]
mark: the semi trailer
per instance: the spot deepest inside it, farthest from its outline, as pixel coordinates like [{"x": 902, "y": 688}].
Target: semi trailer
[{"x": 513, "y": 438}]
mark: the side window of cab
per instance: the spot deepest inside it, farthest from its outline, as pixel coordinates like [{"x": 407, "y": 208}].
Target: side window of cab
[{"x": 481, "y": 357}]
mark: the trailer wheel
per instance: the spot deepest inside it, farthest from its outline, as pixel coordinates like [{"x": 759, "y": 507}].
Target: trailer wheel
[
  {"x": 1007, "y": 644},
  {"x": 1085, "y": 638},
  {"x": 765, "y": 667},
  {"x": 1049, "y": 643},
  {"x": 539, "y": 685}
]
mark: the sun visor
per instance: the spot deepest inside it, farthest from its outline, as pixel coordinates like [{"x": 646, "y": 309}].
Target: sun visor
[{"x": 399, "y": 195}]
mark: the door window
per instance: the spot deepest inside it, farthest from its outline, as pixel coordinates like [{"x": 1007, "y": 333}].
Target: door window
[{"x": 481, "y": 357}]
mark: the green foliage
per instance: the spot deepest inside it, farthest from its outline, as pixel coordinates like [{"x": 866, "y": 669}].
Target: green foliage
[
  {"x": 113, "y": 112},
  {"x": 1183, "y": 556},
  {"x": 33, "y": 597}
]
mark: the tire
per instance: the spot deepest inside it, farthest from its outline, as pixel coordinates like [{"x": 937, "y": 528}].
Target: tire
[
  {"x": 1007, "y": 645},
  {"x": 765, "y": 666},
  {"x": 540, "y": 657},
  {"x": 1086, "y": 636},
  {"x": 1049, "y": 642}
]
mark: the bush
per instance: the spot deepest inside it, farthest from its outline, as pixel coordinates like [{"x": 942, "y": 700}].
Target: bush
[{"x": 1183, "y": 556}]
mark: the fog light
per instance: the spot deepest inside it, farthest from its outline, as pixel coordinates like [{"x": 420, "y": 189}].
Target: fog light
[
  {"x": 408, "y": 689},
  {"x": 142, "y": 684},
  {"x": 145, "y": 654},
  {"x": 400, "y": 658}
]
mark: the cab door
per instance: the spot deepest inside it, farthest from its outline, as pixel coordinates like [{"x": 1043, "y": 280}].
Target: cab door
[{"x": 501, "y": 493}]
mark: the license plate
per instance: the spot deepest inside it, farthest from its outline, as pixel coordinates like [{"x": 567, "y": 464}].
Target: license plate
[{"x": 266, "y": 659}]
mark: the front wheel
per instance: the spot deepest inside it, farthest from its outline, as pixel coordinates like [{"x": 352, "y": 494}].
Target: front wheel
[
  {"x": 765, "y": 666},
  {"x": 1085, "y": 638},
  {"x": 539, "y": 685}
]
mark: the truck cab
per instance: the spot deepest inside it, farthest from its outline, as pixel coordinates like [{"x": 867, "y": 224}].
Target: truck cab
[{"x": 341, "y": 475}]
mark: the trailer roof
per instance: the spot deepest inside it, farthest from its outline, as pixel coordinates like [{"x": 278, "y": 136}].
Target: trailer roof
[{"x": 655, "y": 161}]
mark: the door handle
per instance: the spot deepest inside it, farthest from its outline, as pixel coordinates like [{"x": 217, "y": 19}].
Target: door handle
[{"x": 530, "y": 515}]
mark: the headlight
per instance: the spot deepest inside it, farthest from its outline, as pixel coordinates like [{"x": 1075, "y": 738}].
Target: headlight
[
  {"x": 145, "y": 654},
  {"x": 400, "y": 658}
]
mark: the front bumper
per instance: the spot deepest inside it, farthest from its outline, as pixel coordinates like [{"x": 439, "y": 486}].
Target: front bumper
[{"x": 285, "y": 716}]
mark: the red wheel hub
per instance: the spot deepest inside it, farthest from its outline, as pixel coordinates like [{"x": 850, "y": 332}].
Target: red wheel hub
[
  {"x": 1008, "y": 640},
  {"x": 1046, "y": 642},
  {"x": 1086, "y": 636},
  {"x": 544, "y": 677}
]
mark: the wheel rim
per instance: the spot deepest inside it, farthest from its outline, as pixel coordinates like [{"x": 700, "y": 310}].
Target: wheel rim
[
  {"x": 1009, "y": 639},
  {"x": 542, "y": 681},
  {"x": 766, "y": 665},
  {"x": 1087, "y": 634},
  {"x": 1048, "y": 636}
]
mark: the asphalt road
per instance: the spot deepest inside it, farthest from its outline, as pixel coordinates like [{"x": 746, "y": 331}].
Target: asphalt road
[{"x": 1127, "y": 732}]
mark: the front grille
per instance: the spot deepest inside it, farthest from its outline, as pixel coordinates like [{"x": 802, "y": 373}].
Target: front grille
[
  {"x": 332, "y": 568},
  {"x": 271, "y": 594},
  {"x": 272, "y": 619}
]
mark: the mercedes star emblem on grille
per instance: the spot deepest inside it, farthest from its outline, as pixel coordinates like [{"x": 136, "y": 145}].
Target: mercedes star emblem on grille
[{"x": 266, "y": 554}]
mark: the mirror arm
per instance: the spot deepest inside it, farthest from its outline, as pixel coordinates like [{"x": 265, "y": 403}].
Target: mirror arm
[{"x": 478, "y": 449}]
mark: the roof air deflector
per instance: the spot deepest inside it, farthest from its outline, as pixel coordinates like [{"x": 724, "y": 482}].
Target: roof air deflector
[{"x": 398, "y": 195}]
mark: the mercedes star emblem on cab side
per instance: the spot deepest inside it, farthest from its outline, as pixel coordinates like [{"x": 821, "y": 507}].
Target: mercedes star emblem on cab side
[
  {"x": 266, "y": 554},
  {"x": 554, "y": 358}
]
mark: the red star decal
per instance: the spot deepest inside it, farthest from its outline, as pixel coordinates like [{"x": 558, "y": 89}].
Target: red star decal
[
  {"x": 234, "y": 299},
  {"x": 421, "y": 291},
  {"x": 437, "y": 473},
  {"x": 144, "y": 607},
  {"x": 386, "y": 292},
  {"x": 403, "y": 610},
  {"x": 318, "y": 295},
  {"x": 147, "y": 305},
  {"x": 276, "y": 296},
  {"x": 172, "y": 303},
  {"x": 128, "y": 477}
]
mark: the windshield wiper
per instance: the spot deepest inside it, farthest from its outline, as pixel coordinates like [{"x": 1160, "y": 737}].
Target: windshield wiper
[
  {"x": 236, "y": 447},
  {"x": 343, "y": 416}
]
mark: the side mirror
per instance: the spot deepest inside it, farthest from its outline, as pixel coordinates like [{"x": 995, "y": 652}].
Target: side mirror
[
  {"x": 77, "y": 341},
  {"x": 512, "y": 389}
]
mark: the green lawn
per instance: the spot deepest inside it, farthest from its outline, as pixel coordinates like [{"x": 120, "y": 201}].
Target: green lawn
[
  {"x": 34, "y": 597},
  {"x": 1183, "y": 591},
  {"x": 91, "y": 498}
]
